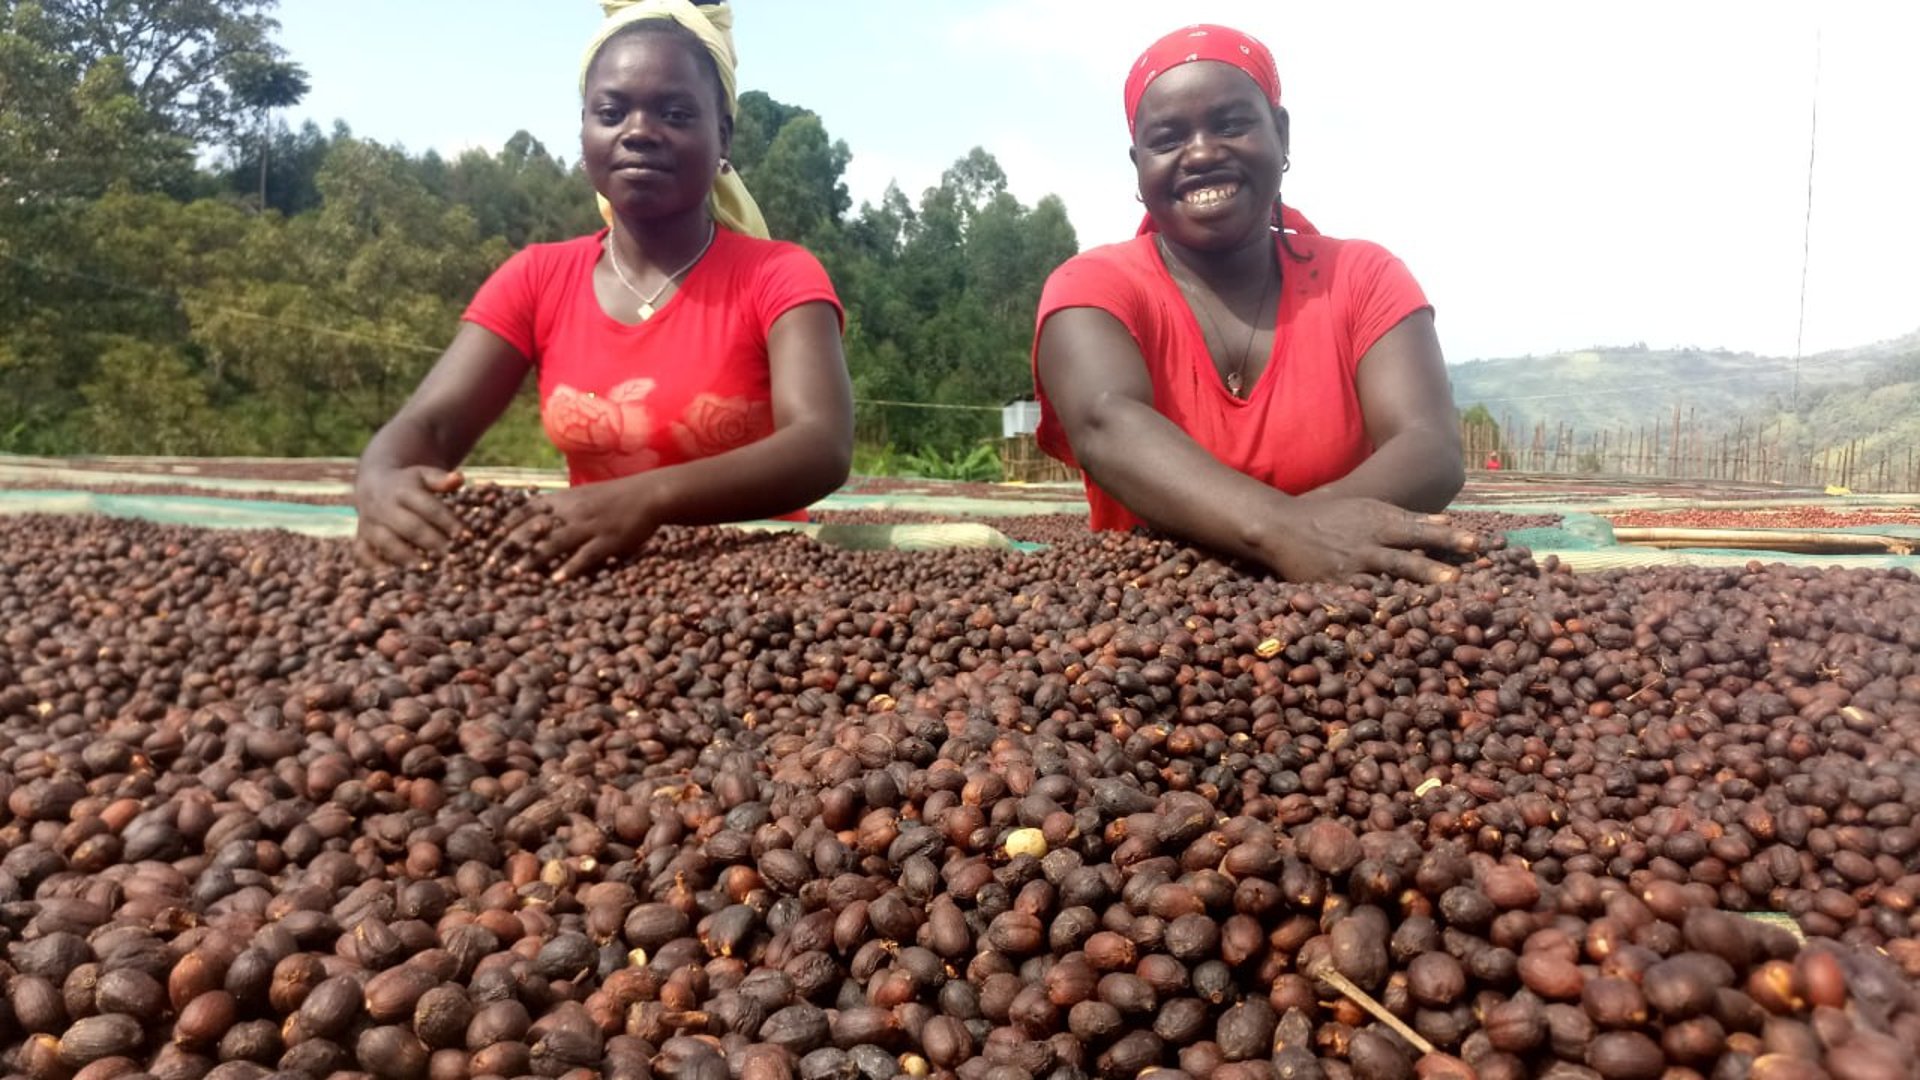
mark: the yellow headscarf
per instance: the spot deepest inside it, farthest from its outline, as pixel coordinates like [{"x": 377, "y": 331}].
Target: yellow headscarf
[{"x": 730, "y": 202}]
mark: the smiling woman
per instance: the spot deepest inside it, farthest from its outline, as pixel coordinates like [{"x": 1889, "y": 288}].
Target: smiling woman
[
  {"x": 690, "y": 368},
  {"x": 1231, "y": 376}
]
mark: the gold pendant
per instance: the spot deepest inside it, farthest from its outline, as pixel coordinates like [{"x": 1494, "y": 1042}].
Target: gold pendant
[{"x": 646, "y": 312}]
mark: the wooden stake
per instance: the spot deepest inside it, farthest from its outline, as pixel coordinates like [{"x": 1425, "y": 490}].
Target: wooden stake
[{"x": 1333, "y": 978}]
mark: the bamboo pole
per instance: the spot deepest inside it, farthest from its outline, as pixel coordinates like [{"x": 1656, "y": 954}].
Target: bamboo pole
[
  {"x": 1673, "y": 452},
  {"x": 1807, "y": 541}
]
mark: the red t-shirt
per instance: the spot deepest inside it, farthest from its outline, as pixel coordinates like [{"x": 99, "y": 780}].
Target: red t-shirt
[
  {"x": 689, "y": 383},
  {"x": 1300, "y": 426}
]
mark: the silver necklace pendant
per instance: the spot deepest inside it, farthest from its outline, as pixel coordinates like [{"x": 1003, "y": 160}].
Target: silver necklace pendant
[
  {"x": 649, "y": 304},
  {"x": 1233, "y": 384}
]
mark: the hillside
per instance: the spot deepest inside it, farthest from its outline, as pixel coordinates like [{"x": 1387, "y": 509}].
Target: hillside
[{"x": 1869, "y": 393}]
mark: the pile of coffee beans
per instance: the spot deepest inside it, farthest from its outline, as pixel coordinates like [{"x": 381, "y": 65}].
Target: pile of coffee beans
[
  {"x": 750, "y": 808},
  {"x": 1055, "y": 528}
]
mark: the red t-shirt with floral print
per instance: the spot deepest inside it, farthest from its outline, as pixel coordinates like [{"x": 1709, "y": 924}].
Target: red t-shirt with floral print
[{"x": 689, "y": 383}]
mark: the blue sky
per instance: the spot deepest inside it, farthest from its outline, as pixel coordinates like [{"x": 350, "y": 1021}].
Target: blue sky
[{"x": 1555, "y": 175}]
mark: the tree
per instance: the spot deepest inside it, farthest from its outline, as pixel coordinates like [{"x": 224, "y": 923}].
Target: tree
[
  {"x": 797, "y": 183},
  {"x": 878, "y": 232},
  {"x": 334, "y": 315},
  {"x": 522, "y": 193},
  {"x": 290, "y": 163},
  {"x": 262, "y": 83},
  {"x": 180, "y": 57},
  {"x": 755, "y": 124},
  {"x": 942, "y": 301},
  {"x": 146, "y": 306},
  {"x": 70, "y": 129},
  {"x": 1482, "y": 428},
  {"x": 146, "y": 399},
  {"x": 974, "y": 181}
]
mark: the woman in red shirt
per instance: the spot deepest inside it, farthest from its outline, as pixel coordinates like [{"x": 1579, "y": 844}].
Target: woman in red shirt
[
  {"x": 690, "y": 369},
  {"x": 1232, "y": 377}
]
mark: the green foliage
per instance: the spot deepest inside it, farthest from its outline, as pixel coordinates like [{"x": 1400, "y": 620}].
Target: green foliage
[
  {"x": 195, "y": 66},
  {"x": 522, "y": 194},
  {"x": 943, "y": 296},
  {"x": 758, "y": 120},
  {"x": 797, "y": 183},
  {"x": 1865, "y": 395},
  {"x": 517, "y": 438},
  {"x": 145, "y": 399},
  {"x": 1607, "y": 389},
  {"x": 287, "y": 296},
  {"x": 69, "y": 129},
  {"x": 278, "y": 171},
  {"x": 1485, "y": 428},
  {"x": 978, "y": 464}
]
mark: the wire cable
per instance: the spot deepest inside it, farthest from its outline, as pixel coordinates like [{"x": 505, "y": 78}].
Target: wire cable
[{"x": 1806, "y": 221}]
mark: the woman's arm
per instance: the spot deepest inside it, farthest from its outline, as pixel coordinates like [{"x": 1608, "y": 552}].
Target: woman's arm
[
  {"x": 809, "y": 453},
  {"x": 1094, "y": 376},
  {"x": 806, "y": 458},
  {"x": 408, "y": 464},
  {"x": 1407, "y": 405}
]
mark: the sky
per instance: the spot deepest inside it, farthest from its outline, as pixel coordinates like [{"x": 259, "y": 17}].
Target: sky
[{"x": 1556, "y": 176}]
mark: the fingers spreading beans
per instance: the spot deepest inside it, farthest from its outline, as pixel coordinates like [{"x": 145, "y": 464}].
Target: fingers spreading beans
[{"x": 749, "y": 808}]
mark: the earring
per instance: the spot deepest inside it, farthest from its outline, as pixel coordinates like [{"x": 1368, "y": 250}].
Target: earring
[
  {"x": 1139, "y": 198},
  {"x": 725, "y": 166},
  {"x": 1286, "y": 163}
]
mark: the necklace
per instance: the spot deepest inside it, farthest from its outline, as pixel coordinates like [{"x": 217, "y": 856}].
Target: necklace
[
  {"x": 647, "y": 308},
  {"x": 1236, "y": 378}
]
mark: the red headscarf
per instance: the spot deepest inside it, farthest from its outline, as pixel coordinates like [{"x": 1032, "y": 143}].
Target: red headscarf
[{"x": 1207, "y": 42}]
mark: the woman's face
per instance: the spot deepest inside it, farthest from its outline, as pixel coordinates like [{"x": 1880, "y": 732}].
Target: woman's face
[
  {"x": 1208, "y": 148},
  {"x": 652, "y": 131}
]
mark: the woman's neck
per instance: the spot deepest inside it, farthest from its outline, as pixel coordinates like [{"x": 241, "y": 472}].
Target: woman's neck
[
  {"x": 1229, "y": 270},
  {"x": 661, "y": 244}
]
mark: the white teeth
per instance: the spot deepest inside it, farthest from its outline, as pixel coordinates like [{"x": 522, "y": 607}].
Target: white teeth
[{"x": 1209, "y": 196}]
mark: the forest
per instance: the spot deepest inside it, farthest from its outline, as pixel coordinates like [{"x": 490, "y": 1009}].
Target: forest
[{"x": 182, "y": 272}]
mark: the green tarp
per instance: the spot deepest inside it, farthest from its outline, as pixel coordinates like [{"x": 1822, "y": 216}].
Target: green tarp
[{"x": 1582, "y": 540}]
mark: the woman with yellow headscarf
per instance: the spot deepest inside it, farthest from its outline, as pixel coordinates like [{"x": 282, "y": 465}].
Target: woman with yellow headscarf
[{"x": 690, "y": 368}]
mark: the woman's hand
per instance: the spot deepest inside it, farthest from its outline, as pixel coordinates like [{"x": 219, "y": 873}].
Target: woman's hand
[
  {"x": 402, "y": 515},
  {"x": 1320, "y": 539},
  {"x": 581, "y": 528},
  {"x": 409, "y": 463}
]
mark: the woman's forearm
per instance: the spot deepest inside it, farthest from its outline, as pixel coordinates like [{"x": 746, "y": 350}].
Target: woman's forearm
[
  {"x": 795, "y": 466},
  {"x": 462, "y": 395},
  {"x": 1165, "y": 478},
  {"x": 407, "y": 440},
  {"x": 1417, "y": 469}
]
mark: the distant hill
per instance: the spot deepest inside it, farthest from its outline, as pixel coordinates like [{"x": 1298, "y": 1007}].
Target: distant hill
[{"x": 1870, "y": 393}]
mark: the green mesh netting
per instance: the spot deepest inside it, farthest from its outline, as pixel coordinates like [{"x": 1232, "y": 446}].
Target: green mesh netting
[{"x": 1586, "y": 542}]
